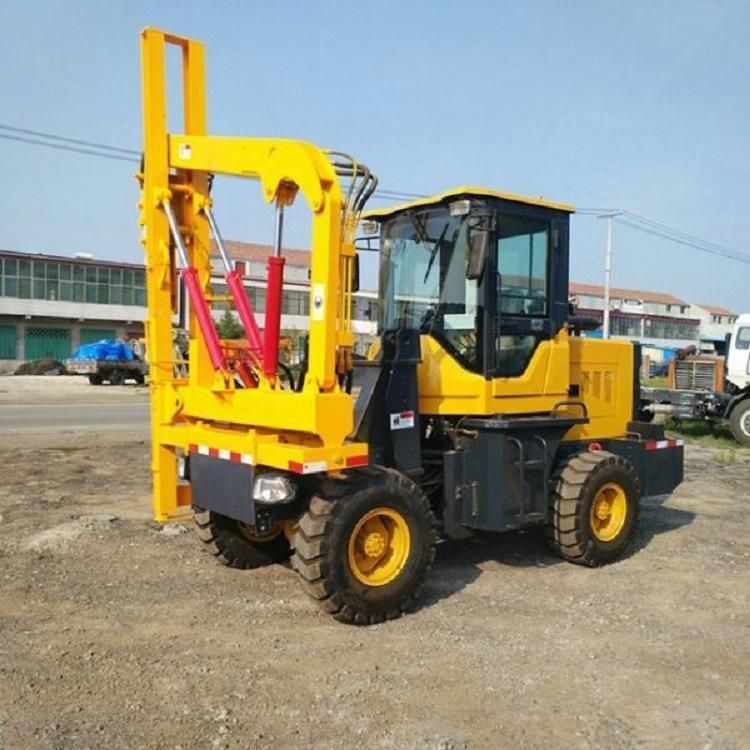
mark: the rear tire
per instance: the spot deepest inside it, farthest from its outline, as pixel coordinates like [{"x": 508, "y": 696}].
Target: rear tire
[
  {"x": 363, "y": 551},
  {"x": 232, "y": 543},
  {"x": 739, "y": 422},
  {"x": 116, "y": 377},
  {"x": 95, "y": 379},
  {"x": 594, "y": 508}
]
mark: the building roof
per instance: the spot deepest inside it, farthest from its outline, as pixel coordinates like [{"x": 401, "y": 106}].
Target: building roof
[
  {"x": 254, "y": 253},
  {"x": 378, "y": 214},
  {"x": 247, "y": 251},
  {"x": 594, "y": 290},
  {"x": 69, "y": 259},
  {"x": 716, "y": 310}
]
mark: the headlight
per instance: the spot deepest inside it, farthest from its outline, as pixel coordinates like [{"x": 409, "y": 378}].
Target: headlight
[{"x": 273, "y": 488}]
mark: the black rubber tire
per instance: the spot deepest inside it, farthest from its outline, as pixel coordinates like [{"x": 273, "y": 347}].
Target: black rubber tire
[
  {"x": 95, "y": 379},
  {"x": 322, "y": 539},
  {"x": 139, "y": 378},
  {"x": 739, "y": 422},
  {"x": 646, "y": 416},
  {"x": 116, "y": 377},
  {"x": 575, "y": 485},
  {"x": 224, "y": 538}
]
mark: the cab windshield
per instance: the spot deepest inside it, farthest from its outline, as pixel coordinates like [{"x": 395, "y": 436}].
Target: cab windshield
[{"x": 423, "y": 282}]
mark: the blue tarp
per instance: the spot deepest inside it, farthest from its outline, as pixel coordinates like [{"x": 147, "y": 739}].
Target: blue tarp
[{"x": 107, "y": 350}]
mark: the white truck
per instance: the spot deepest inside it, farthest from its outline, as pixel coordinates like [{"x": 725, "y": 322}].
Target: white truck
[{"x": 692, "y": 399}]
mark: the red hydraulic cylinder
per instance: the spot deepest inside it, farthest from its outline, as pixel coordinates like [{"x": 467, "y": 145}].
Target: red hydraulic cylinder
[
  {"x": 273, "y": 315},
  {"x": 206, "y": 323},
  {"x": 245, "y": 311}
]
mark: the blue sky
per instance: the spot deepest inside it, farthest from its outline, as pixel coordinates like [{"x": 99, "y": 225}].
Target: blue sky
[{"x": 641, "y": 105}]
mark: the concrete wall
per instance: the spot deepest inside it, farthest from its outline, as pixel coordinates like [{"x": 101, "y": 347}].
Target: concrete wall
[{"x": 39, "y": 308}]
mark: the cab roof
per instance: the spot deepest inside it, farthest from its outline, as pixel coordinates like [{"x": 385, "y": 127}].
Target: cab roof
[{"x": 379, "y": 214}]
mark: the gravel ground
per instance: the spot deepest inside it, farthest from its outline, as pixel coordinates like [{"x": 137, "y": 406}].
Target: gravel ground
[{"x": 115, "y": 633}]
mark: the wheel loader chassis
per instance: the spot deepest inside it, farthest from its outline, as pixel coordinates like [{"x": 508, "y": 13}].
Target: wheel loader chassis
[
  {"x": 500, "y": 476},
  {"x": 496, "y": 472}
]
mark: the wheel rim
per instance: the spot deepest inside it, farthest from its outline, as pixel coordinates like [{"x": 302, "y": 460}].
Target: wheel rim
[
  {"x": 745, "y": 423},
  {"x": 248, "y": 532},
  {"x": 608, "y": 512},
  {"x": 379, "y": 547}
]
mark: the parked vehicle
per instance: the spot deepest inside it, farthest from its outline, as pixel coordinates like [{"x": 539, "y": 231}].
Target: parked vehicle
[
  {"x": 478, "y": 410},
  {"x": 107, "y": 361},
  {"x": 705, "y": 387}
]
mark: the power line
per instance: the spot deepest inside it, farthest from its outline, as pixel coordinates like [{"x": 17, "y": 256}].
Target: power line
[
  {"x": 61, "y": 147},
  {"x": 76, "y": 141},
  {"x": 696, "y": 245},
  {"x": 624, "y": 217},
  {"x": 676, "y": 234}
]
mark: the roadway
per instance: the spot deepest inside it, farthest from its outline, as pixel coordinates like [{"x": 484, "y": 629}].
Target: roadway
[{"x": 59, "y": 417}]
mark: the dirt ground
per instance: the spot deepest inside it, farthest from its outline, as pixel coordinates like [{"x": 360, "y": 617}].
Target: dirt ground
[
  {"x": 115, "y": 633},
  {"x": 65, "y": 389}
]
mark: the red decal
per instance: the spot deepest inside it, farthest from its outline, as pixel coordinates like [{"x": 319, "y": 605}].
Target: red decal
[{"x": 357, "y": 461}]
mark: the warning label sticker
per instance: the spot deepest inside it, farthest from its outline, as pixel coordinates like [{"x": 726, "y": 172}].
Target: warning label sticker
[{"x": 402, "y": 420}]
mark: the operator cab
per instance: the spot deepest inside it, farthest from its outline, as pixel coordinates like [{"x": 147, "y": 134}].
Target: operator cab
[{"x": 484, "y": 273}]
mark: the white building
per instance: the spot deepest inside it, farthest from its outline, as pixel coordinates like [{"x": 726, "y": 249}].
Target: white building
[
  {"x": 716, "y": 324},
  {"x": 650, "y": 317},
  {"x": 51, "y": 304}
]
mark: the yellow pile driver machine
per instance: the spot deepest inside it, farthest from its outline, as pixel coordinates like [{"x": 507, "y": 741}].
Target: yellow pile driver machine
[{"x": 480, "y": 409}]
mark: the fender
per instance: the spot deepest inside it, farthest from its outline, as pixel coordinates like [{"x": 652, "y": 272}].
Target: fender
[{"x": 743, "y": 395}]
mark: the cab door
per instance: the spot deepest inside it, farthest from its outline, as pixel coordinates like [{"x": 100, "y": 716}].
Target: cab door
[
  {"x": 530, "y": 266},
  {"x": 738, "y": 356}
]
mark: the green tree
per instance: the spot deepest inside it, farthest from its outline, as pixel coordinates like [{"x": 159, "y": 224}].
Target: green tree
[{"x": 229, "y": 327}]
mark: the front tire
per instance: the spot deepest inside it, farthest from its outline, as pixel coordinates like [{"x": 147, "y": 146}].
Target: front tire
[
  {"x": 363, "y": 551},
  {"x": 739, "y": 422},
  {"x": 233, "y": 543},
  {"x": 594, "y": 508}
]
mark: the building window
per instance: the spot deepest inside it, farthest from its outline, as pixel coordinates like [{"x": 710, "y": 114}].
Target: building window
[
  {"x": 626, "y": 326},
  {"x": 295, "y": 302},
  {"x": 68, "y": 282},
  {"x": 671, "y": 329}
]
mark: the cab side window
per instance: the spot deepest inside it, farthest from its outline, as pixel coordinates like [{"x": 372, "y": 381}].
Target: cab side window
[
  {"x": 522, "y": 289},
  {"x": 522, "y": 248},
  {"x": 743, "y": 338}
]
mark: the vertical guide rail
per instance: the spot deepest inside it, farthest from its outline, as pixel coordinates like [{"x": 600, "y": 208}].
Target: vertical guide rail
[
  {"x": 236, "y": 289},
  {"x": 155, "y": 236}
]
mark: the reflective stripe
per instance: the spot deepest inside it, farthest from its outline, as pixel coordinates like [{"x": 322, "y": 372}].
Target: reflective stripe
[
  {"x": 309, "y": 468},
  {"x": 223, "y": 453},
  {"x": 653, "y": 445}
]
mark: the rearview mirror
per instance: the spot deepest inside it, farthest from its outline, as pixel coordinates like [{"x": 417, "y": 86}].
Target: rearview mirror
[{"x": 476, "y": 254}]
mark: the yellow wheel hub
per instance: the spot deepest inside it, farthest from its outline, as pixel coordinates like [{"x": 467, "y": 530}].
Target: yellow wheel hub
[
  {"x": 608, "y": 512},
  {"x": 379, "y": 547}
]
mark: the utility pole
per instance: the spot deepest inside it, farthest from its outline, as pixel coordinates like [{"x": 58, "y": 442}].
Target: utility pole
[{"x": 607, "y": 270}]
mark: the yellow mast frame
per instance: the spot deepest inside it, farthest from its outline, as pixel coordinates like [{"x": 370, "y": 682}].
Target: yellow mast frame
[{"x": 302, "y": 431}]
